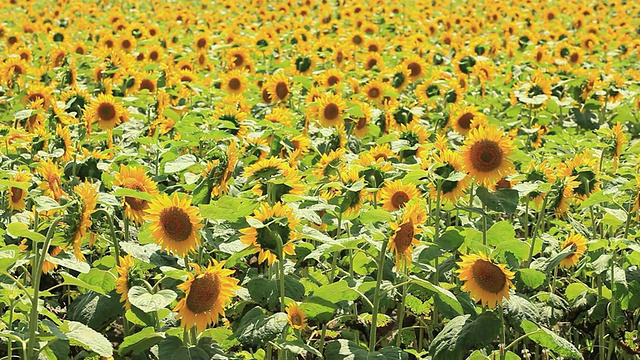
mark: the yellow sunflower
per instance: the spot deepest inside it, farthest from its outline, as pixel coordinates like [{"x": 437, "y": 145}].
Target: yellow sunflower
[
  {"x": 374, "y": 91},
  {"x": 486, "y": 153},
  {"x": 403, "y": 239},
  {"x": 486, "y": 281},
  {"x": 278, "y": 87},
  {"x": 106, "y": 111},
  {"x": 395, "y": 194},
  {"x": 16, "y": 194},
  {"x": 449, "y": 190},
  {"x": 619, "y": 140},
  {"x": 583, "y": 169},
  {"x": 330, "y": 109},
  {"x": 205, "y": 296},
  {"x": 88, "y": 194},
  {"x": 175, "y": 224},
  {"x": 51, "y": 186},
  {"x": 279, "y": 222},
  {"x": 123, "y": 282},
  {"x": 234, "y": 82},
  {"x": 579, "y": 245},
  {"x": 463, "y": 118},
  {"x": 135, "y": 178},
  {"x": 416, "y": 67},
  {"x": 297, "y": 317},
  {"x": 329, "y": 164}
]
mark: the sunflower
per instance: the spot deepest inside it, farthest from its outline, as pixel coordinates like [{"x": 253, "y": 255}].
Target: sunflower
[
  {"x": 543, "y": 173},
  {"x": 234, "y": 82},
  {"x": 123, "y": 282},
  {"x": 297, "y": 317},
  {"x": 238, "y": 58},
  {"x": 579, "y": 244},
  {"x": 106, "y": 111},
  {"x": 403, "y": 239},
  {"x": 329, "y": 164},
  {"x": 416, "y": 67},
  {"x": 51, "y": 186},
  {"x": 18, "y": 194},
  {"x": 175, "y": 224},
  {"x": 278, "y": 86},
  {"x": 564, "y": 194},
  {"x": 372, "y": 60},
  {"x": 48, "y": 266},
  {"x": 135, "y": 178},
  {"x": 396, "y": 194},
  {"x": 88, "y": 194},
  {"x": 486, "y": 281},
  {"x": 39, "y": 92},
  {"x": 205, "y": 295},
  {"x": 463, "y": 118},
  {"x": 361, "y": 123},
  {"x": 582, "y": 168},
  {"x": 374, "y": 91},
  {"x": 279, "y": 223},
  {"x": 65, "y": 143},
  {"x": 330, "y": 78},
  {"x": 449, "y": 189},
  {"x": 486, "y": 153},
  {"x": 330, "y": 109}
]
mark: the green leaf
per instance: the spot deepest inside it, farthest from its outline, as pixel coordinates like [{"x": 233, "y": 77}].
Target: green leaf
[
  {"x": 574, "y": 290},
  {"x": 450, "y": 240},
  {"x": 267, "y": 292},
  {"x": 503, "y": 200},
  {"x": 172, "y": 348},
  {"x": 147, "y": 302},
  {"x": 24, "y": 185},
  {"x": 21, "y": 230},
  {"x": 140, "y": 341},
  {"x": 532, "y": 278},
  {"x": 133, "y": 194},
  {"x": 462, "y": 333},
  {"x": 171, "y": 114},
  {"x": 45, "y": 203},
  {"x": 520, "y": 308},
  {"x": 375, "y": 215},
  {"x": 443, "y": 295},
  {"x": 595, "y": 198},
  {"x": 586, "y": 120},
  {"x": 256, "y": 329},
  {"x": 318, "y": 308},
  {"x": 182, "y": 163},
  {"x": 517, "y": 248},
  {"x": 335, "y": 292},
  {"x": 228, "y": 208},
  {"x": 222, "y": 336},
  {"x": 500, "y": 232},
  {"x": 89, "y": 339},
  {"x": 95, "y": 310},
  {"x": 548, "y": 339},
  {"x": 8, "y": 257},
  {"x": 304, "y": 80},
  {"x": 71, "y": 280},
  {"x": 297, "y": 347},
  {"x": 348, "y": 350}
]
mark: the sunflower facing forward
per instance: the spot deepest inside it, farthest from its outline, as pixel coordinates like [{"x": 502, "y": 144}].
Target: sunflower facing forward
[
  {"x": 175, "y": 224},
  {"x": 579, "y": 245},
  {"x": 297, "y": 317},
  {"x": 486, "y": 281},
  {"x": 205, "y": 295},
  {"x": 395, "y": 194},
  {"x": 330, "y": 109},
  {"x": 18, "y": 194},
  {"x": 135, "y": 178},
  {"x": 486, "y": 153},
  {"x": 106, "y": 111},
  {"x": 278, "y": 221}
]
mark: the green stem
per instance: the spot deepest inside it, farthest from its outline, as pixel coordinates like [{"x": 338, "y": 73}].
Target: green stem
[
  {"x": 125, "y": 322},
  {"x": 503, "y": 335},
  {"x": 36, "y": 273},
  {"x": 526, "y": 220},
  {"x": 376, "y": 296},
  {"x": 534, "y": 235},
  {"x": 10, "y": 326},
  {"x": 601, "y": 326},
  {"x": 593, "y": 223},
  {"x": 194, "y": 335},
  {"x": 323, "y": 333},
  {"x": 484, "y": 230},
  {"x": 402, "y": 306},
  {"x": 613, "y": 306},
  {"x": 334, "y": 261},
  {"x": 114, "y": 239},
  {"x": 436, "y": 235}
]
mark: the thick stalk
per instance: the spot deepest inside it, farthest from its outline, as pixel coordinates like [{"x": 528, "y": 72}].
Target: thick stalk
[
  {"x": 36, "y": 273},
  {"x": 401, "y": 310},
  {"x": 376, "y": 296},
  {"x": 503, "y": 335},
  {"x": 334, "y": 260},
  {"x": 613, "y": 307},
  {"x": 534, "y": 235}
]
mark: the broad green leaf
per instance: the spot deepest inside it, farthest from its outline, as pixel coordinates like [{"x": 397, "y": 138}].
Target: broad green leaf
[
  {"x": 21, "y": 230},
  {"x": 182, "y": 163},
  {"x": 8, "y": 257},
  {"x": 500, "y": 232},
  {"x": 550, "y": 340},
  {"x": 172, "y": 348},
  {"x": 140, "y": 341},
  {"x": 517, "y": 248},
  {"x": 574, "y": 290},
  {"x": 257, "y": 329},
  {"x": 45, "y": 203},
  {"x": 71, "y": 280},
  {"x": 89, "y": 339},
  {"x": 95, "y": 310},
  {"x": 299, "y": 348},
  {"x": 24, "y": 185},
  {"x": 318, "y": 308},
  {"x": 531, "y": 277},
  {"x": 267, "y": 292},
  {"x": 503, "y": 200},
  {"x": 375, "y": 215},
  {"x": 348, "y": 350},
  {"x": 228, "y": 208},
  {"x": 335, "y": 292},
  {"x": 445, "y": 296},
  {"x": 147, "y": 302},
  {"x": 450, "y": 240},
  {"x": 463, "y": 333},
  {"x": 133, "y": 193}
]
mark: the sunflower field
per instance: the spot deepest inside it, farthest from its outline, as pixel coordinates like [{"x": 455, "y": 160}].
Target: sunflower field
[{"x": 319, "y": 179}]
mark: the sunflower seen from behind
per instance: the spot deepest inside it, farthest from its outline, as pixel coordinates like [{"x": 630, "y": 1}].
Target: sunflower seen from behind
[
  {"x": 486, "y": 281},
  {"x": 135, "y": 178},
  {"x": 206, "y": 294},
  {"x": 277, "y": 221},
  {"x": 175, "y": 224},
  {"x": 485, "y": 155},
  {"x": 123, "y": 282},
  {"x": 87, "y": 194}
]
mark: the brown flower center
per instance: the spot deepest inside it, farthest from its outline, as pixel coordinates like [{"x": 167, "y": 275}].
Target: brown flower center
[
  {"x": 574, "y": 58},
  {"x": 362, "y": 123},
  {"x": 486, "y": 155},
  {"x": 404, "y": 237},
  {"x": 135, "y": 203},
  {"x": 357, "y": 39},
  {"x": 373, "y": 93},
  {"x": 282, "y": 90},
  {"x": 202, "y": 42},
  {"x": 372, "y": 63},
  {"x": 399, "y": 198},
  {"x": 176, "y": 223},
  {"x": 415, "y": 69},
  {"x": 332, "y": 80},
  {"x": 147, "y": 84},
  {"x": 464, "y": 121},
  {"x": 126, "y": 44},
  {"x": 106, "y": 111},
  {"x": 154, "y": 55},
  {"x": 16, "y": 194},
  {"x": 488, "y": 276},
  {"x": 331, "y": 111},
  {"x": 235, "y": 84},
  {"x": 296, "y": 320},
  {"x": 266, "y": 98},
  {"x": 238, "y": 60},
  {"x": 203, "y": 293}
]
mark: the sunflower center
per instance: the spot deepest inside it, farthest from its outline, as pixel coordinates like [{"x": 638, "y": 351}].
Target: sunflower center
[
  {"x": 176, "y": 223},
  {"x": 266, "y": 98},
  {"x": 362, "y": 122},
  {"x": 147, "y": 84},
  {"x": 282, "y": 90},
  {"x": 574, "y": 57},
  {"x": 35, "y": 96},
  {"x": 332, "y": 80},
  {"x": 464, "y": 121},
  {"x": 16, "y": 194},
  {"x": 399, "y": 198},
  {"x": 135, "y": 203},
  {"x": 106, "y": 111},
  {"x": 238, "y": 60},
  {"x": 126, "y": 44},
  {"x": 404, "y": 237},
  {"x": 372, "y": 63},
  {"x": 486, "y": 155},
  {"x": 373, "y": 93},
  {"x": 154, "y": 55},
  {"x": 296, "y": 320},
  {"x": 203, "y": 293},
  {"x": 234, "y": 84},
  {"x": 489, "y": 276},
  {"x": 202, "y": 43},
  {"x": 331, "y": 111},
  {"x": 415, "y": 69}
]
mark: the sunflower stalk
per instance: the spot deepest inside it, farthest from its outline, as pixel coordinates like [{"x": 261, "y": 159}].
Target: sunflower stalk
[
  {"x": 534, "y": 234},
  {"x": 376, "y": 296},
  {"x": 401, "y": 310},
  {"x": 36, "y": 273}
]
